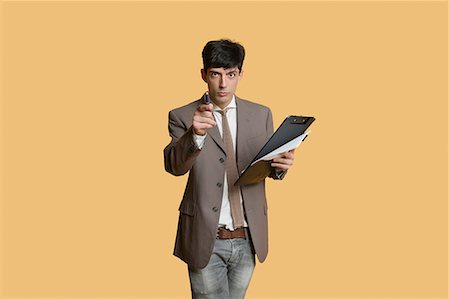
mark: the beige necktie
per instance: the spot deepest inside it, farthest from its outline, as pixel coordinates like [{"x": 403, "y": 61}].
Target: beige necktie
[{"x": 232, "y": 173}]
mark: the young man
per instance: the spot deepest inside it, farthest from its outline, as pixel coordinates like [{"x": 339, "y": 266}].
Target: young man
[{"x": 221, "y": 226}]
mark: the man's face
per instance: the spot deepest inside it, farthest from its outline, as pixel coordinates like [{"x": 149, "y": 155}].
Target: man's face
[{"x": 222, "y": 84}]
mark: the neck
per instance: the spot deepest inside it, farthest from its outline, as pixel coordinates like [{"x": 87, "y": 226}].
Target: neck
[{"x": 221, "y": 105}]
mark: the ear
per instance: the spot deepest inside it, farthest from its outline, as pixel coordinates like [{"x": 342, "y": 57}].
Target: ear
[{"x": 203, "y": 72}]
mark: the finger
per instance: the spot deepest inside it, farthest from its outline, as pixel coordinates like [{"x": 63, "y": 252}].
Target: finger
[
  {"x": 286, "y": 155},
  {"x": 204, "y": 113},
  {"x": 202, "y": 126},
  {"x": 205, "y": 107},
  {"x": 280, "y": 166},
  {"x": 201, "y": 119},
  {"x": 289, "y": 155},
  {"x": 207, "y": 114},
  {"x": 283, "y": 161}
]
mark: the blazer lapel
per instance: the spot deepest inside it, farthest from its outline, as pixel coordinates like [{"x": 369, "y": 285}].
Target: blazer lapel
[
  {"x": 215, "y": 135},
  {"x": 244, "y": 114}
]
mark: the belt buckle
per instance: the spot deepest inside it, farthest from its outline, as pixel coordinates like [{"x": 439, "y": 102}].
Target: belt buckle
[{"x": 222, "y": 227}]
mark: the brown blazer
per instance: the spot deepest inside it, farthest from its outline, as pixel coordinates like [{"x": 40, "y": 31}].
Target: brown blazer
[{"x": 200, "y": 206}]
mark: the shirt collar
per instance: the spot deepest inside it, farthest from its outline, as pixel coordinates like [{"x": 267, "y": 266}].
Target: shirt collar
[{"x": 231, "y": 105}]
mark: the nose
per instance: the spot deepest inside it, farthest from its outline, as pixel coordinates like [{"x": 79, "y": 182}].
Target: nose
[{"x": 222, "y": 82}]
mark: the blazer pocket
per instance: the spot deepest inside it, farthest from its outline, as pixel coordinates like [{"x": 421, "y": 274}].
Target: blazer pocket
[{"x": 186, "y": 207}]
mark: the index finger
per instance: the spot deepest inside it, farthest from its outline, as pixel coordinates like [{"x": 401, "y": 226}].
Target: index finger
[
  {"x": 288, "y": 154},
  {"x": 205, "y": 107}
]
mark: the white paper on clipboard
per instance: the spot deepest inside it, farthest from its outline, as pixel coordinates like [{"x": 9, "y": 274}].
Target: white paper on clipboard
[{"x": 293, "y": 144}]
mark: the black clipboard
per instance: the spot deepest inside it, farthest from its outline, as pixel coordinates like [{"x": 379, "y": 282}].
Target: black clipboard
[{"x": 291, "y": 128}]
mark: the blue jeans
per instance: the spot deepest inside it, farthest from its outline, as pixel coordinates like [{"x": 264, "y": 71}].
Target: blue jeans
[{"x": 228, "y": 272}]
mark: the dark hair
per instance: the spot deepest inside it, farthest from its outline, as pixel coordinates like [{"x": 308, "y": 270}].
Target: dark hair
[{"x": 223, "y": 53}]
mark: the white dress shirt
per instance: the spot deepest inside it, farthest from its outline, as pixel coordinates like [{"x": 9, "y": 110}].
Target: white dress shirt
[{"x": 225, "y": 218}]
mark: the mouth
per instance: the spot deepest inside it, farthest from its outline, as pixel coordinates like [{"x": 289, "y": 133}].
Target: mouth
[{"x": 222, "y": 94}]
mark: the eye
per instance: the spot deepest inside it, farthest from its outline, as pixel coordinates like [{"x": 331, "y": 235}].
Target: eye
[
  {"x": 214, "y": 74},
  {"x": 232, "y": 75}
]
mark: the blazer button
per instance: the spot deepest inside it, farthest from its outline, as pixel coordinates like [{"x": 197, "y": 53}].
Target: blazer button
[
  {"x": 219, "y": 185},
  {"x": 215, "y": 209},
  {"x": 222, "y": 160}
]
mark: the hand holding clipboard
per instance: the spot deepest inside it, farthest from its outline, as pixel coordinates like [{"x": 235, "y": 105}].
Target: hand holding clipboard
[{"x": 288, "y": 136}]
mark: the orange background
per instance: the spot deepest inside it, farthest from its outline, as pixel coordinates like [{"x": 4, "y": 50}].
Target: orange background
[{"x": 88, "y": 211}]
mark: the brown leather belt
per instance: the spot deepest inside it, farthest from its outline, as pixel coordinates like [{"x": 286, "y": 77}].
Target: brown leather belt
[{"x": 223, "y": 233}]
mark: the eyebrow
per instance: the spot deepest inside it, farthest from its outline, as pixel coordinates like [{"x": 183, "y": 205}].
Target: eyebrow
[{"x": 229, "y": 72}]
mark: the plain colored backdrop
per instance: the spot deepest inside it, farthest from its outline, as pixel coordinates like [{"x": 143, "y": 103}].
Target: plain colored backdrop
[{"x": 88, "y": 210}]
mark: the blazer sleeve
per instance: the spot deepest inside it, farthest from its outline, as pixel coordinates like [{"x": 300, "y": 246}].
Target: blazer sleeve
[{"x": 181, "y": 152}]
